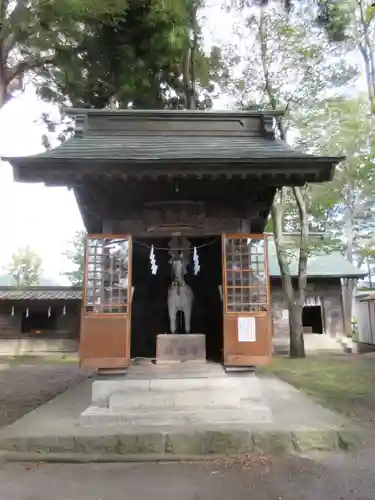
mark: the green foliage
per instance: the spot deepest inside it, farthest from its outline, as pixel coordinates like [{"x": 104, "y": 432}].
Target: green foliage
[
  {"x": 344, "y": 207},
  {"x": 25, "y": 267},
  {"x": 334, "y": 17},
  {"x": 137, "y": 57},
  {"x": 287, "y": 63},
  {"x": 75, "y": 254},
  {"x": 369, "y": 13},
  {"x": 32, "y": 33},
  {"x": 331, "y": 15},
  {"x": 86, "y": 52}
]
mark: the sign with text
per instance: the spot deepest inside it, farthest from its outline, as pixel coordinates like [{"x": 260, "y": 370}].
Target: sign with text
[{"x": 246, "y": 329}]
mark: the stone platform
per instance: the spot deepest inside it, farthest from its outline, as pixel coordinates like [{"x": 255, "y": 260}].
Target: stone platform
[
  {"x": 170, "y": 395},
  {"x": 181, "y": 348},
  {"x": 170, "y": 413}
]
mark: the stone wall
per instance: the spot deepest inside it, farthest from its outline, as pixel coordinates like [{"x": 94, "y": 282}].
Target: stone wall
[{"x": 329, "y": 292}]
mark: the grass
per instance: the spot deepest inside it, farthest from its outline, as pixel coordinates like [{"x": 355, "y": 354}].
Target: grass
[
  {"x": 38, "y": 360},
  {"x": 344, "y": 384}
]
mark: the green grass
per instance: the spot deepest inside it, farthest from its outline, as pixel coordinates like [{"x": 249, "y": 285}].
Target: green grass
[
  {"x": 38, "y": 360},
  {"x": 343, "y": 384}
]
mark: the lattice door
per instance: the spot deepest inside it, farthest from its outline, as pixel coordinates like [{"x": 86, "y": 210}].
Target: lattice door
[{"x": 246, "y": 302}]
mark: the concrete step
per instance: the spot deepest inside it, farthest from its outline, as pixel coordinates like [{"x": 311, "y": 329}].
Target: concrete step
[
  {"x": 222, "y": 398},
  {"x": 103, "y": 389},
  {"x": 167, "y": 418}
]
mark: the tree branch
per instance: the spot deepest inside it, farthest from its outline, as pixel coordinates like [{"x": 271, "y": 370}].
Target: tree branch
[{"x": 24, "y": 66}]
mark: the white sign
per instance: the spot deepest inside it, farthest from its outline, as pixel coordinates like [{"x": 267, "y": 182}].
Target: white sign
[
  {"x": 246, "y": 329},
  {"x": 285, "y": 314}
]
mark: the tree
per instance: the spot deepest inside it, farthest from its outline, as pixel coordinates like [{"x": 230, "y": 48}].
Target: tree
[
  {"x": 331, "y": 15},
  {"x": 142, "y": 59},
  {"x": 75, "y": 254},
  {"x": 297, "y": 65},
  {"x": 34, "y": 32},
  {"x": 347, "y": 204},
  {"x": 25, "y": 267},
  {"x": 362, "y": 15},
  {"x": 150, "y": 56}
]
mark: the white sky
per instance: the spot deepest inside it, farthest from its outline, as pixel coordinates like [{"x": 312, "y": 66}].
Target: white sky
[{"x": 46, "y": 217}]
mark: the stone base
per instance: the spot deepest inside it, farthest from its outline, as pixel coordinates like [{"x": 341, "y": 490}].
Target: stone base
[{"x": 181, "y": 348}]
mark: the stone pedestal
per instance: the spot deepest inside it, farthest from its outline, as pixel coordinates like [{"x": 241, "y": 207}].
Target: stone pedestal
[{"x": 181, "y": 348}]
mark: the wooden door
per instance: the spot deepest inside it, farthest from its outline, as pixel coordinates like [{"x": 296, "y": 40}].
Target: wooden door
[
  {"x": 246, "y": 300},
  {"x": 106, "y": 303}
]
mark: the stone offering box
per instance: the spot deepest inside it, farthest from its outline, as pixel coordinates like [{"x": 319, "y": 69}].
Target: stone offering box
[{"x": 180, "y": 348}]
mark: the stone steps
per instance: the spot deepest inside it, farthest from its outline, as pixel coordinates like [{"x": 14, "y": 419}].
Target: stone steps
[
  {"x": 195, "y": 399},
  {"x": 103, "y": 390},
  {"x": 250, "y": 413}
]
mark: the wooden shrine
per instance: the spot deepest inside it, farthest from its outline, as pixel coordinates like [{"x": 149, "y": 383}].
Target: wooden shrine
[{"x": 143, "y": 177}]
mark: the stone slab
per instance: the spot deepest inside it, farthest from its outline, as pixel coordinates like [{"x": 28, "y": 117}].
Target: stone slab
[
  {"x": 177, "y": 399},
  {"x": 95, "y": 416},
  {"x": 283, "y": 417},
  {"x": 159, "y": 446},
  {"x": 182, "y": 348},
  {"x": 172, "y": 379}
]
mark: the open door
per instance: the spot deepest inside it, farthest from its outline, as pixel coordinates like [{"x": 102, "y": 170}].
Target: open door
[
  {"x": 105, "y": 319},
  {"x": 246, "y": 300}
]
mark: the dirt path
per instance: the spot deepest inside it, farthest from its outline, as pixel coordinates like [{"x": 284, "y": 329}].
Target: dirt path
[
  {"x": 322, "y": 477},
  {"x": 24, "y": 388}
]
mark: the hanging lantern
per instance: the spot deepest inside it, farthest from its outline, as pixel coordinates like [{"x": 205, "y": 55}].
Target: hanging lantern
[
  {"x": 64, "y": 311},
  {"x": 49, "y": 311},
  {"x": 13, "y": 311}
]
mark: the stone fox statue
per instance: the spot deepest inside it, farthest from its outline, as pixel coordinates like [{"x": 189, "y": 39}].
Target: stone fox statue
[{"x": 180, "y": 295}]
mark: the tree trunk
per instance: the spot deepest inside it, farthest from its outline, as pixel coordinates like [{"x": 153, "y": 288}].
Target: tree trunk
[
  {"x": 366, "y": 49},
  {"x": 297, "y": 344},
  {"x": 193, "y": 49},
  {"x": 2, "y": 82},
  {"x": 349, "y": 284},
  {"x": 369, "y": 270},
  {"x": 348, "y": 287},
  {"x": 294, "y": 298}
]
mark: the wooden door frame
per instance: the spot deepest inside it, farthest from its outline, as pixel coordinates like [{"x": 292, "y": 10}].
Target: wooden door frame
[
  {"x": 99, "y": 318},
  {"x": 261, "y": 317}
]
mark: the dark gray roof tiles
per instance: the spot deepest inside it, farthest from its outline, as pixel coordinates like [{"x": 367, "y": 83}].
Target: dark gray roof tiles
[
  {"x": 168, "y": 147},
  {"x": 158, "y": 148},
  {"x": 137, "y": 136},
  {"x": 40, "y": 293}
]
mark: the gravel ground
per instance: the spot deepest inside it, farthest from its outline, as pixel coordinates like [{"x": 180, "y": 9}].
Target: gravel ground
[
  {"x": 322, "y": 477},
  {"x": 24, "y": 388}
]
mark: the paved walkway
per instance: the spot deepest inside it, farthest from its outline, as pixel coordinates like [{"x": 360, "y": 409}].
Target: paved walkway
[
  {"x": 265, "y": 413},
  {"x": 333, "y": 477}
]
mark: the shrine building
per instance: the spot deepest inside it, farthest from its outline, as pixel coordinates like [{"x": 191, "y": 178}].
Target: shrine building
[{"x": 155, "y": 185}]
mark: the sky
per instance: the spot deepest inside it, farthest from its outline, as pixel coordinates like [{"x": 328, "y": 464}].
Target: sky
[{"x": 44, "y": 218}]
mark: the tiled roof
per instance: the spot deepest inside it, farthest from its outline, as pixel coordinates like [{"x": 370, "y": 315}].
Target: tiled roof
[
  {"x": 153, "y": 148},
  {"x": 140, "y": 136},
  {"x": 330, "y": 265},
  {"x": 370, "y": 296},
  {"x": 40, "y": 293}
]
